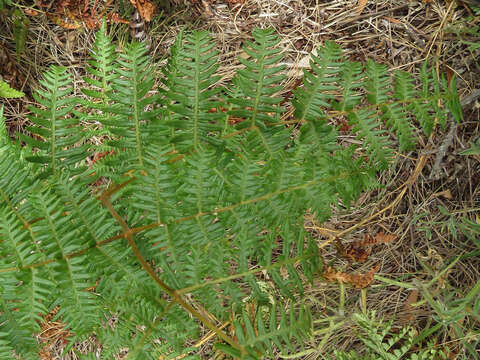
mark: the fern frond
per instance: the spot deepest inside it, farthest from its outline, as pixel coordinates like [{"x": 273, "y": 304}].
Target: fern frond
[
  {"x": 101, "y": 71},
  {"x": 377, "y": 144},
  {"x": 351, "y": 80},
  {"x": 101, "y": 68},
  {"x": 59, "y": 238},
  {"x": 7, "y": 92},
  {"x": 276, "y": 329},
  {"x": 14, "y": 335},
  {"x": 211, "y": 215},
  {"x": 134, "y": 118},
  {"x": 6, "y": 351},
  {"x": 54, "y": 133},
  {"x": 316, "y": 95},
  {"x": 191, "y": 94},
  {"x": 396, "y": 116},
  {"x": 255, "y": 96},
  {"x": 386, "y": 345},
  {"x": 35, "y": 286},
  {"x": 260, "y": 80}
]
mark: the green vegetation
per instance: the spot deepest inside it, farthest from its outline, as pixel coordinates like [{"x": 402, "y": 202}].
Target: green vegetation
[
  {"x": 185, "y": 222},
  {"x": 7, "y": 92}
]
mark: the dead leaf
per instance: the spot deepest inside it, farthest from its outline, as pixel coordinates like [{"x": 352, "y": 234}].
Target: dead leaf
[
  {"x": 360, "y": 6},
  {"x": 145, "y": 8},
  {"x": 382, "y": 238},
  {"x": 359, "y": 281},
  {"x": 208, "y": 8},
  {"x": 359, "y": 251},
  {"x": 30, "y": 12},
  {"x": 409, "y": 314},
  {"x": 116, "y": 19},
  {"x": 392, "y": 20},
  {"x": 445, "y": 193},
  {"x": 355, "y": 253}
]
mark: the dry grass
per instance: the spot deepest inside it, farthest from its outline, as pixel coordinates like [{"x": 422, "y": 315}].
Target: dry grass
[{"x": 401, "y": 35}]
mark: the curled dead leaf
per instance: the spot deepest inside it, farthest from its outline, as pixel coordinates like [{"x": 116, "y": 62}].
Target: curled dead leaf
[
  {"x": 382, "y": 238},
  {"x": 145, "y": 8},
  {"x": 359, "y": 281}
]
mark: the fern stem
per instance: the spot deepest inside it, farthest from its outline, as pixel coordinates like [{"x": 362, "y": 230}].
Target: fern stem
[
  {"x": 170, "y": 291},
  {"x": 137, "y": 120}
]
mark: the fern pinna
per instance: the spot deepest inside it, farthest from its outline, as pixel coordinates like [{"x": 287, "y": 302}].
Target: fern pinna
[{"x": 196, "y": 222}]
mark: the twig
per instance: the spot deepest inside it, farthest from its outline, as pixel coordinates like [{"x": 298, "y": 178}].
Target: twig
[{"x": 442, "y": 150}]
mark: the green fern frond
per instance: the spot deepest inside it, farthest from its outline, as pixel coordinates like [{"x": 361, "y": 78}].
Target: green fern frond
[
  {"x": 101, "y": 71},
  {"x": 259, "y": 81},
  {"x": 351, "y": 80},
  {"x": 132, "y": 124},
  {"x": 14, "y": 335},
  {"x": 397, "y": 116},
  {"x": 55, "y": 133},
  {"x": 386, "y": 345},
  {"x": 255, "y": 97},
  {"x": 317, "y": 138},
  {"x": 316, "y": 95},
  {"x": 191, "y": 93},
  {"x": 376, "y": 142},
  {"x": 276, "y": 329},
  {"x": 59, "y": 238},
  {"x": 6, "y": 350},
  {"x": 7, "y": 92}
]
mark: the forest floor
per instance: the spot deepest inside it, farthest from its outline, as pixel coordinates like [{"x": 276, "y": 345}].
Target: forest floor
[{"x": 428, "y": 198}]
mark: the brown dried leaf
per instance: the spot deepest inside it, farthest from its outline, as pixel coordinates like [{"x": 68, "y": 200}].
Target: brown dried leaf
[
  {"x": 409, "y": 313},
  {"x": 30, "y": 12},
  {"x": 355, "y": 253},
  {"x": 447, "y": 194},
  {"x": 116, "y": 18},
  {"x": 368, "y": 240},
  {"x": 360, "y": 281},
  {"x": 145, "y": 8},
  {"x": 382, "y": 238},
  {"x": 207, "y": 8},
  {"x": 361, "y": 5},
  {"x": 66, "y": 24},
  {"x": 330, "y": 275}
]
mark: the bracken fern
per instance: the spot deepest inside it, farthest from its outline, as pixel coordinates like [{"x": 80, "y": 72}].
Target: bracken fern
[{"x": 197, "y": 214}]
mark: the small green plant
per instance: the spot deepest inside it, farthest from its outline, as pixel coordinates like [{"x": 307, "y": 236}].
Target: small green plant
[
  {"x": 455, "y": 310},
  {"x": 183, "y": 215},
  {"x": 20, "y": 24},
  {"x": 5, "y": 3},
  {"x": 7, "y": 92},
  {"x": 474, "y": 149},
  {"x": 383, "y": 344}
]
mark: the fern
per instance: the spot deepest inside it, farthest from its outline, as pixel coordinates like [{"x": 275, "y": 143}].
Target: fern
[
  {"x": 55, "y": 124},
  {"x": 197, "y": 215},
  {"x": 7, "y": 92},
  {"x": 191, "y": 92},
  {"x": 383, "y": 343}
]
